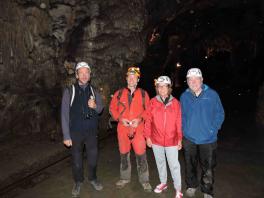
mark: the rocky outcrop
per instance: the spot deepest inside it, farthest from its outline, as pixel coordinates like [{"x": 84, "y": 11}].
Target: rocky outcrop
[{"x": 42, "y": 41}]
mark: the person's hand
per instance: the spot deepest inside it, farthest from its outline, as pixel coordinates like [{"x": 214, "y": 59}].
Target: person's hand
[
  {"x": 179, "y": 145},
  {"x": 91, "y": 103},
  {"x": 125, "y": 122},
  {"x": 149, "y": 142},
  {"x": 67, "y": 143},
  {"x": 135, "y": 122}
]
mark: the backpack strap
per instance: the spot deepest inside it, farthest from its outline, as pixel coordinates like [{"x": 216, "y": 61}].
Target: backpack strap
[
  {"x": 143, "y": 93},
  {"x": 120, "y": 92},
  {"x": 72, "y": 93}
]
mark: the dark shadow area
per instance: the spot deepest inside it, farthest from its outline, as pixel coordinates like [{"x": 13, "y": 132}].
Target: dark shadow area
[{"x": 226, "y": 43}]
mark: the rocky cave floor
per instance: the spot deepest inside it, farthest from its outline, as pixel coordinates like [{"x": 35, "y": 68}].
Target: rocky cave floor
[{"x": 239, "y": 171}]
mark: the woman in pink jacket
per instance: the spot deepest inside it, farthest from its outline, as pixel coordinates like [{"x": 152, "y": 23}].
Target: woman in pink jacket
[{"x": 164, "y": 134}]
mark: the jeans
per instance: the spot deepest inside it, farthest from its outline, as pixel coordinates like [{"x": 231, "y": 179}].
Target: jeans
[
  {"x": 206, "y": 155},
  {"x": 79, "y": 139}
]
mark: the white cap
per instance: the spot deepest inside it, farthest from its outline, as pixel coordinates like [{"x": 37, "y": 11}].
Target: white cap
[
  {"x": 82, "y": 64},
  {"x": 194, "y": 72},
  {"x": 163, "y": 79}
]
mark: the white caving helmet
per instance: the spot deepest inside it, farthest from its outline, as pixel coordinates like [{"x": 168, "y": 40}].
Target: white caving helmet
[
  {"x": 163, "y": 79},
  {"x": 194, "y": 72},
  {"x": 82, "y": 64}
]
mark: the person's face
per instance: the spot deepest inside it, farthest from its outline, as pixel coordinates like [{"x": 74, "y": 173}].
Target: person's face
[
  {"x": 132, "y": 80},
  {"x": 83, "y": 75},
  {"x": 195, "y": 83},
  {"x": 163, "y": 90}
]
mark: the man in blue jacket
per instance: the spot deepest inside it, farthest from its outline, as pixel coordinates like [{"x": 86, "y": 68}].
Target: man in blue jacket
[{"x": 202, "y": 117}]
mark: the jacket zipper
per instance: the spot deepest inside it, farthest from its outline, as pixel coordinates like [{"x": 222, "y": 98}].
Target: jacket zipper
[{"x": 165, "y": 120}]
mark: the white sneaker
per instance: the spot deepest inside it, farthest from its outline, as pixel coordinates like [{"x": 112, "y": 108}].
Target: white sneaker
[
  {"x": 147, "y": 187},
  {"x": 96, "y": 185},
  {"x": 207, "y": 195},
  {"x": 121, "y": 183},
  {"x": 76, "y": 190},
  {"x": 190, "y": 192}
]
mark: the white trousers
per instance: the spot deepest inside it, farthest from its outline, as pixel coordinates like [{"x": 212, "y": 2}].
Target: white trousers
[{"x": 171, "y": 153}]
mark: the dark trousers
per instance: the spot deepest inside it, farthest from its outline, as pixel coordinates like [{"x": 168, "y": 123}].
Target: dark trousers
[
  {"x": 78, "y": 141},
  {"x": 206, "y": 155}
]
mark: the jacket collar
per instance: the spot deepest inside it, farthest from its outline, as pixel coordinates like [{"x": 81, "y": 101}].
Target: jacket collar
[
  {"x": 83, "y": 87},
  {"x": 159, "y": 99},
  {"x": 204, "y": 88}
]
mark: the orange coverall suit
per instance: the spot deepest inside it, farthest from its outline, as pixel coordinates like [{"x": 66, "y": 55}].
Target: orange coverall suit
[{"x": 122, "y": 108}]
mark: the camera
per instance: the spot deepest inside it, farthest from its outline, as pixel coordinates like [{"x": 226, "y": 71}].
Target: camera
[{"x": 90, "y": 113}]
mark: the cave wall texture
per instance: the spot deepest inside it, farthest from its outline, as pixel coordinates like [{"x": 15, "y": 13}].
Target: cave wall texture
[{"x": 41, "y": 40}]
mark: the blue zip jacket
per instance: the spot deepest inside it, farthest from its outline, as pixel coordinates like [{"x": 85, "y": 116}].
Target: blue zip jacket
[{"x": 202, "y": 116}]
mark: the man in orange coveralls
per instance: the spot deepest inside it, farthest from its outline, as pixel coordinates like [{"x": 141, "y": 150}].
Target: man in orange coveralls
[{"x": 128, "y": 108}]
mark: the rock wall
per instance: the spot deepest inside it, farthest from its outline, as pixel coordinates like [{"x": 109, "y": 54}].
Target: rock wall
[
  {"x": 112, "y": 40},
  {"x": 28, "y": 72},
  {"x": 41, "y": 41}
]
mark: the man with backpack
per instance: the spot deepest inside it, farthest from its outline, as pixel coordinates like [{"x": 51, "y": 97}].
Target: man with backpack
[
  {"x": 80, "y": 109},
  {"x": 128, "y": 107}
]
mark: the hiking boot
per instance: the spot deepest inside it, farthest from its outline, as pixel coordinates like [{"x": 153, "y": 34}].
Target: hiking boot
[
  {"x": 121, "y": 183},
  {"x": 190, "y": 192},
  {"x": 76, "y": 190},
  {"x": 207, "y": 195},
  {"x": 147, "y": 187},
  {"x": 178, "y": 194},
  {"x": 159, "y": 188},
  {"x": 96, "y": 185}
]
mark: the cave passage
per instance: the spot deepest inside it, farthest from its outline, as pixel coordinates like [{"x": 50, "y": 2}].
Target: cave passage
[{"x": 225, "y": 43}]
